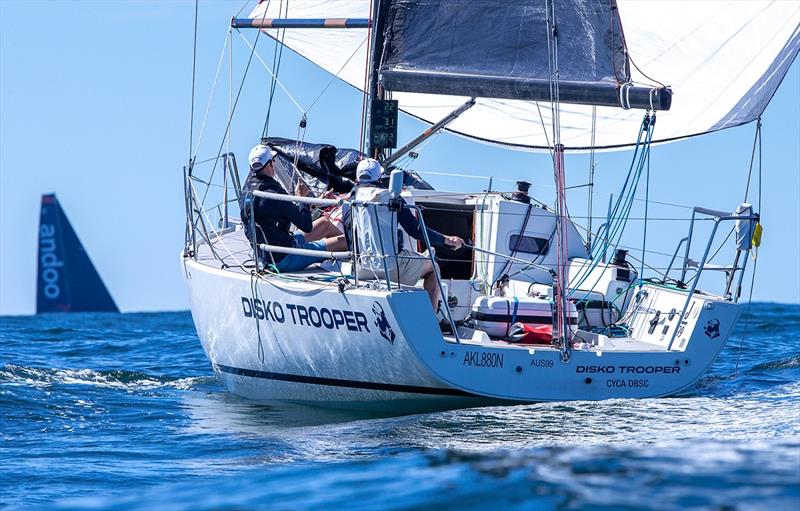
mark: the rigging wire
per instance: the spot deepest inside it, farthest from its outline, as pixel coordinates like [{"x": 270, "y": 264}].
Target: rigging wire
[
  {"x": 230, "y": 92},
  {"x": 544, "y": 131},
  {"x": 335, "y": 76},
  {"x": 756, "y": 140},
  {"x": 211, "y": 98},
  {"x": 277, "y": 58},
  {"x": 230, "y": 118},
  {"x": 233, "y": 109},
  {"x": 592, "y": 165},
  {"x": 194, "y": 78},
  {"x": 755, "y": 262},
  {"x": 269, "y": 70},
  {"x": 242, "y": 8}
]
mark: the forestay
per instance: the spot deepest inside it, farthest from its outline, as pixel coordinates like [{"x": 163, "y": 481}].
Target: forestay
[{"x": 723, "y": 61}]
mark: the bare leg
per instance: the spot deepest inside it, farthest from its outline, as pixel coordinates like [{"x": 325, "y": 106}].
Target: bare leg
[
  {"x": 336, "y": 244},
  {"x": 430, "y": 285},
  {"x": 322, "y": 228}
]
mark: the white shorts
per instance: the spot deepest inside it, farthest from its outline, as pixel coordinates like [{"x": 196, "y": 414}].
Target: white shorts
[
  {"x": 336, "y": 217},
  {"x": 409, "y": 263}
]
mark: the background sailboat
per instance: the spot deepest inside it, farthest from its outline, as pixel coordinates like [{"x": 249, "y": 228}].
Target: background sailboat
[{"x": 66, "y": 280}]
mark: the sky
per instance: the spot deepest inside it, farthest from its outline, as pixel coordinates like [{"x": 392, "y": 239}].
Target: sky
[{"x": 95, "y": 100}]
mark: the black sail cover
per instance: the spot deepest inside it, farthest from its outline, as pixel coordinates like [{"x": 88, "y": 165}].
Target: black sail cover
[
  {"x": 499, "y": 48},
  {"x": 324, "y": 167}
]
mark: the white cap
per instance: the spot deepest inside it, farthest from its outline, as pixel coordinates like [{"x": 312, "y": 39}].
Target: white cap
[
  {"x": 259, "y": 156},
  {"x": 368, "y": 170}
]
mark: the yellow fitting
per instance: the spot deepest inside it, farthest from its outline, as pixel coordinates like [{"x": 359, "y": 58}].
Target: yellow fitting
[{"x": 757, "y": 234}]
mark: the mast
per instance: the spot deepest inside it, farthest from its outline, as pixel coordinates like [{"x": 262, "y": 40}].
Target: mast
[
  {"x": 561, "y": 324},
  {"x": 376, "y": 51}
]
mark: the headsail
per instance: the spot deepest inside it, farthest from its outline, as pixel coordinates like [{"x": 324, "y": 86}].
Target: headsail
[
  {"x": 723, "y": 61},
  {"x": 66, "y": 278}
]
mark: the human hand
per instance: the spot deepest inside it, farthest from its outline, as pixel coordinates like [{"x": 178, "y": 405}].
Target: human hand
[
  {"x": 301, "y": 189},
  {"x": 454, "y": 242}
]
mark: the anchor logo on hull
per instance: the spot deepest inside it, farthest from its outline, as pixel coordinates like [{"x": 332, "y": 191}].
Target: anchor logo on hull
[
  {"x": 712, "y": 329},
  {"x": 382, "y": 323}
]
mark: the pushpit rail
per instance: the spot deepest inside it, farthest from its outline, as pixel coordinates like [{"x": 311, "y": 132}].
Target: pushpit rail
[
  {"x": 197, "y": 219},
  {"x": 718, "y": 217}
]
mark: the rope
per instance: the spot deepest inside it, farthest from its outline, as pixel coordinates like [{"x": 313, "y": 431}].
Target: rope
[
  {"x": 254, "y": 297},
  {"x": 646, "y": 203},
  {"x": 747, "y": 315},
  {"x": 621, "y": 210}
]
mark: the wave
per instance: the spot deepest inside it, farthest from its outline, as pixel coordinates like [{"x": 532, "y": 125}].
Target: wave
[
  {"x": 700, "y": 475},
  {"x": 792, "y": 362},
  {"x": 115, "y": 379}
]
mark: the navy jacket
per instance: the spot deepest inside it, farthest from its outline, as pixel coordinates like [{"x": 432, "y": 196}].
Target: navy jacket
[{"x": 273, "y": 218}]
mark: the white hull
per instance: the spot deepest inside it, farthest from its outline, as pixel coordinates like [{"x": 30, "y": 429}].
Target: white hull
[{"x": 318, "y": 345}]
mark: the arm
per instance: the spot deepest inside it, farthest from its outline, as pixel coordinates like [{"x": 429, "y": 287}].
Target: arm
[
  {"x": 265, "y": 209},
  {"x": 412, "y": 226},
  {"x": 300, "y": 215}
]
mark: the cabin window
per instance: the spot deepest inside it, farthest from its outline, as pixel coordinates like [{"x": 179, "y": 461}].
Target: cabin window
[{"x": 528, "y": 244}]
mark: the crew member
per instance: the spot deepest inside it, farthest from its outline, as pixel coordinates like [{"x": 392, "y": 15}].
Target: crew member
[
  {"x": 273, "y": 218},
  {"x": 377, "y": 233}
]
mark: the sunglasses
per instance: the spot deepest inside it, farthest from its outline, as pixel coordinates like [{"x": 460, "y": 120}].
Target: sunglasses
[{"x": 258, "y": 166}]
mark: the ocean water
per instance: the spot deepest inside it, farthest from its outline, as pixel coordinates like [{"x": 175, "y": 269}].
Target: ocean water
[{"x": 122, "y": 411}]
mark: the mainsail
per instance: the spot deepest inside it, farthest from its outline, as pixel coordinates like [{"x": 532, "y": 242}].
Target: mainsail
[
  {"x": 66, "y": 278},
  {"x": 500, "y": 49},
  {"x": 722, "y": 60}
]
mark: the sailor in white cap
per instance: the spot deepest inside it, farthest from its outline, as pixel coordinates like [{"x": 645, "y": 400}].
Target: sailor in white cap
[
  {"x": 377, "y": 235},
  {"x": 274, "y": 218}
]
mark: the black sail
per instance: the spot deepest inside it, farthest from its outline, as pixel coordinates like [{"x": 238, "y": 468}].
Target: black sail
[{"x": 501, "y": 49}]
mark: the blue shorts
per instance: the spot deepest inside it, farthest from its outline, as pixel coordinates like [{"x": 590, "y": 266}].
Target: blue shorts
[{"x": 294, "y": 262}]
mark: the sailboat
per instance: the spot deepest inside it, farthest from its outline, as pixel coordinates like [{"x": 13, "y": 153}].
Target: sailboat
[
  {"x": 537, "y": 307},
  {"x": 66, "y": 279}
]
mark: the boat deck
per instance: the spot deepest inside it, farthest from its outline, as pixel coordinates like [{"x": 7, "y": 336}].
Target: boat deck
[{"x": 231, "y": 250}]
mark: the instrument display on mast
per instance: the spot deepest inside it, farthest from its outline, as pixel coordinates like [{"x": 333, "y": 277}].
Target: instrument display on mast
[{"x": 383, "y": 124}]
